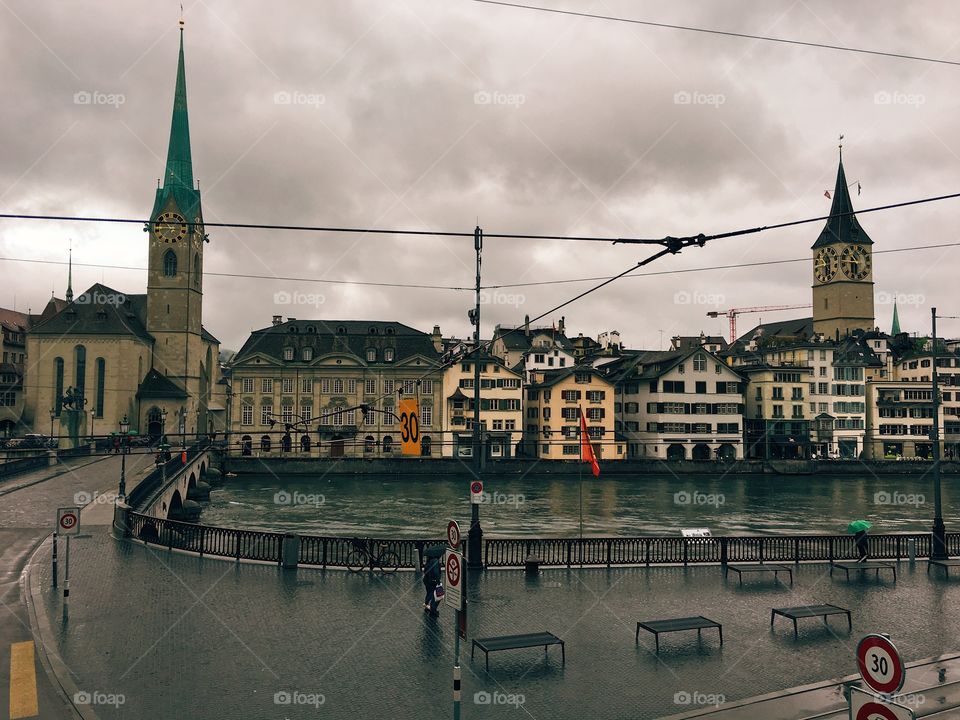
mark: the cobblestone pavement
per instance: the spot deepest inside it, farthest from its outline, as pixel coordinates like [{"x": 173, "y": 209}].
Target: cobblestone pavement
[{"x": 178, "y": 636}]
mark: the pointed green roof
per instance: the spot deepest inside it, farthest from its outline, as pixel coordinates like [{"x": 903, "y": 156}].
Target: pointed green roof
[
  {"x": 178, "y": 173},
  {"x": 895, "y": 330},
  {"x": 846, "y": 228}
]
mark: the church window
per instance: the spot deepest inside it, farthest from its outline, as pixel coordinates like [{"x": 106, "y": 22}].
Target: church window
[
  {"x": 101, "y": 376},
  {"x": 169, "y": 264},
  {"x": 80, "y": 366},
  {"x": 58, "y": 383}
]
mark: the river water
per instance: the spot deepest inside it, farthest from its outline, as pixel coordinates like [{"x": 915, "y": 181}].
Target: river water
[{"x": 419, "y": 506}]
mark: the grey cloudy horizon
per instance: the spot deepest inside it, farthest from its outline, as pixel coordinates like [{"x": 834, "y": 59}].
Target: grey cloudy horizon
[{"x": 429, "y": 114}]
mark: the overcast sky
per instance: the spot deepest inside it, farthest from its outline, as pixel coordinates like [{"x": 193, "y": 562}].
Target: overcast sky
[{"x": 428, "y": 114}]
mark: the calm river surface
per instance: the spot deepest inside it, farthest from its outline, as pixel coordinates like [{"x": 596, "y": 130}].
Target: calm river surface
[{"x": 419, "y": 506}]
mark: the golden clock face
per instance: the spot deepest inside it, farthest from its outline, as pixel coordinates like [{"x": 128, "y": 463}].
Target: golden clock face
[
  {"x": 170, "y": 227},
  {"x": 825, "y": 264},
  {"x": 855, "y": 262}
]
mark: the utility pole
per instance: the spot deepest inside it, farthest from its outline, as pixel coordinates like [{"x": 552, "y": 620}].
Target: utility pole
[
  {"x": 939, "y": 550},
  {"x": 475, "y": 536}
]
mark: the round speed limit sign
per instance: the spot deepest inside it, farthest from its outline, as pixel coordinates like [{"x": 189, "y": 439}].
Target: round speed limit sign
[{"x": 881, "y": 666}]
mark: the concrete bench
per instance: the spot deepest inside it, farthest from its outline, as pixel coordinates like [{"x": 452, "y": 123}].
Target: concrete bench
[
  {"x": 806, "y": 611},
  {"x": 697, "y": 623},
  {"x": 761, "y": 568},
  {"x": 874, "y": 565},
  {"x": 945, "y": 564},
  {"x": 516, "y": 642}
]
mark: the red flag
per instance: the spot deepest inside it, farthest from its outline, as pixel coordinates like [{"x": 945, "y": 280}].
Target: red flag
[
  {"x": 826, "y": 194},
  {"x": 586, "y": 449}
]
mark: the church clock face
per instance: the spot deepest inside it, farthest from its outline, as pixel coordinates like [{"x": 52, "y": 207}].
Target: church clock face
[
  {"x": 825, "y": 264},
  {"x": 170, "y": 227},
  {"x": 855, "y": 262}
]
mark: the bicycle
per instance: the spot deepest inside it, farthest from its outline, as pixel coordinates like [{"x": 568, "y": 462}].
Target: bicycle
[{"x": 359, "y": 557}]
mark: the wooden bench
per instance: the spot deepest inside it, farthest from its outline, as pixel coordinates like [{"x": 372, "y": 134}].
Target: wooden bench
[
  {"x": 805, "y": 611},
  {"x": 874, "y": 565},
  {"x": 697, "y": 623},
  {"x": 515, "y": 642},
  {"x": 945, "y": 564},
  {"x": 762, "y": 567}
]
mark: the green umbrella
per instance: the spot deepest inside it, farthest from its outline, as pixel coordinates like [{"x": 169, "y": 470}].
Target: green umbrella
[{"x": 858, "y": 526}]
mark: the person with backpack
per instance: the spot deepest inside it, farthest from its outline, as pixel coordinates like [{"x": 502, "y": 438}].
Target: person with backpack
[{"x": 431, "y": 584}]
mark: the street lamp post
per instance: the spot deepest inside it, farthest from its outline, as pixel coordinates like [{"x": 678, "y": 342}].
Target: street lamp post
[
  {"x": 53, "y": 415},
  {"x": 93, "y": 441},
  {"x": 124, "y": 429},
  {"x": 163, "y": 426},
  {"x": 475, "y": 535},
  {"x": 939, "y": 550}
]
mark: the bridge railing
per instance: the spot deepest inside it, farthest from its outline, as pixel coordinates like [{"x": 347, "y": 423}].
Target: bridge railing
[{"x": 146, "y": 488}]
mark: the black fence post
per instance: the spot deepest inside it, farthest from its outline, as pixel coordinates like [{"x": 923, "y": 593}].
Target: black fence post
[
  {"x": 723, "y": 551},
  {"x": 609, "y": 543},
  {"x": 796, "y": 551}
]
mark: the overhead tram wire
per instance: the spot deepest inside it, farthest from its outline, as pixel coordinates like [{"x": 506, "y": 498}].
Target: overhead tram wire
[{"x": 726, "y": 33}]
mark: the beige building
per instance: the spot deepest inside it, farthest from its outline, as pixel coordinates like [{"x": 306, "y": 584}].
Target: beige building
[
  {"x": 110, "y": 354},
  {"x": 776, "y": 416},
  {"x": 552, "y": 425},
  {"x": 13, "y": 331},
  {"x": 298, "y": 386},
  {"x": 501, "y": 412}
]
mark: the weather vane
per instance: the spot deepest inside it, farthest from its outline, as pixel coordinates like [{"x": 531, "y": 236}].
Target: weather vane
[{"x": 181, "y": 16}]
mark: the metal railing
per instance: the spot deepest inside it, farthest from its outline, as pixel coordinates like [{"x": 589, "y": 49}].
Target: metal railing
[{"x": 323, "y": 552}]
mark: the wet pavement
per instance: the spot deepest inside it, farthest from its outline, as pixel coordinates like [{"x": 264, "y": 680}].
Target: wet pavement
[{"x": 177, "y": 636}]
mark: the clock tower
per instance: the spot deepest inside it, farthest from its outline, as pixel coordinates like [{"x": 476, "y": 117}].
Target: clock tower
[
  {"x": 842, "y": 270},
  {"x": 175, "y": 264}
]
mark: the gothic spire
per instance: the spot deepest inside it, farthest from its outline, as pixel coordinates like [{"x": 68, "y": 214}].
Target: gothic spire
[
  {"x": 842, "y": 226},
  {"x": 895, "y": 330}
]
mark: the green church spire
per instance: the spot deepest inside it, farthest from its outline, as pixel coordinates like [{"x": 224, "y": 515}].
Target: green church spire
[
  {"x": 895, "y": 330},
  {"x": 178, "y": 172}
]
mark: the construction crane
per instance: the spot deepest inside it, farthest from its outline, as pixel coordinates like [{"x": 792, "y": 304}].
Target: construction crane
[{"x": 733, "y": 312}]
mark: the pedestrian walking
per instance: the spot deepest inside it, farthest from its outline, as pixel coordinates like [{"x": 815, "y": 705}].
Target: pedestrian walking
[
  {"x": 431, "y": 580},
  {"x": 859, "y": 529}
]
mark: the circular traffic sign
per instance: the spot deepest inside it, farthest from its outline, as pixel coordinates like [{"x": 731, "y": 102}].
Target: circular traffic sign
[
  {"x": 476, "y": 487},
  {"x": 453, "y": 570},
  {"x": 876, "y": 711},
  {"x": 881, "y": 666},
  {"x": 68, "y": 521},
  {"x": 453, "y": 534}
]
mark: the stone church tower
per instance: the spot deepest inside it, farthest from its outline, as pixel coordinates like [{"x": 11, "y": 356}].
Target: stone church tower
[
  {"x": 842, "y": 270},
  {"x": 175, "y": 265}
]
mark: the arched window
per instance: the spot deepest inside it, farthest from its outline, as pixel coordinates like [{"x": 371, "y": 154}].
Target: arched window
[
  {"x": 369, "y": 443},
  {"x": 80, "y": 370},
  {"x": 169, "y": 264},
  {"x": 101, "y": 375},
  {"x": 196, "y": 269},
  {"x": 265, "y": 443},
  {"x": 58, "y": 384},
  {"x": 387, "y": 444}
]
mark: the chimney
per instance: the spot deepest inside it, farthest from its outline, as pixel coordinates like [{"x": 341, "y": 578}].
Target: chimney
[
  {"x": 560, "y": 326},
  {"x": 277, "y": 320},
  {"x": 526, "y": 325},
  {"x": 437, "y": 338}
]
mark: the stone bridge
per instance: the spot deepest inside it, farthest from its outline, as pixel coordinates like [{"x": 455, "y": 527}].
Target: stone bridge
[{"x": 181, "y": 486}]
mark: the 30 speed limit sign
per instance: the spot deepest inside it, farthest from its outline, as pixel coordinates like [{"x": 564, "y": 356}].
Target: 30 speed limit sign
[
  {"x": 68, "y": 521},
  {"x": 880, "y": 664}
]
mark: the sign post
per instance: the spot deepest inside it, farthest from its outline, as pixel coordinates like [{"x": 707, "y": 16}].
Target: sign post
[
  {"x": 453, "y": 584},
  {"x": 883, "y": 672},
  {"x": 410, "y": 426},
  {"x": 476, "y": 492},
  {"x": 68, "y": 524}
]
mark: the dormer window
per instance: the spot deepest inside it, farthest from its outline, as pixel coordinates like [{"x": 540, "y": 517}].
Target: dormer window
[
  {"x": 388, "y": 355},
  {"x": 371, "y": 355},
  {"x": 373, "y": 330},
  {"x": 288, "y": 353},
  {"x": 306, "y": 354},
  {"x": 390, "y": 331},
  {"x": 341, "y": 330}
]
